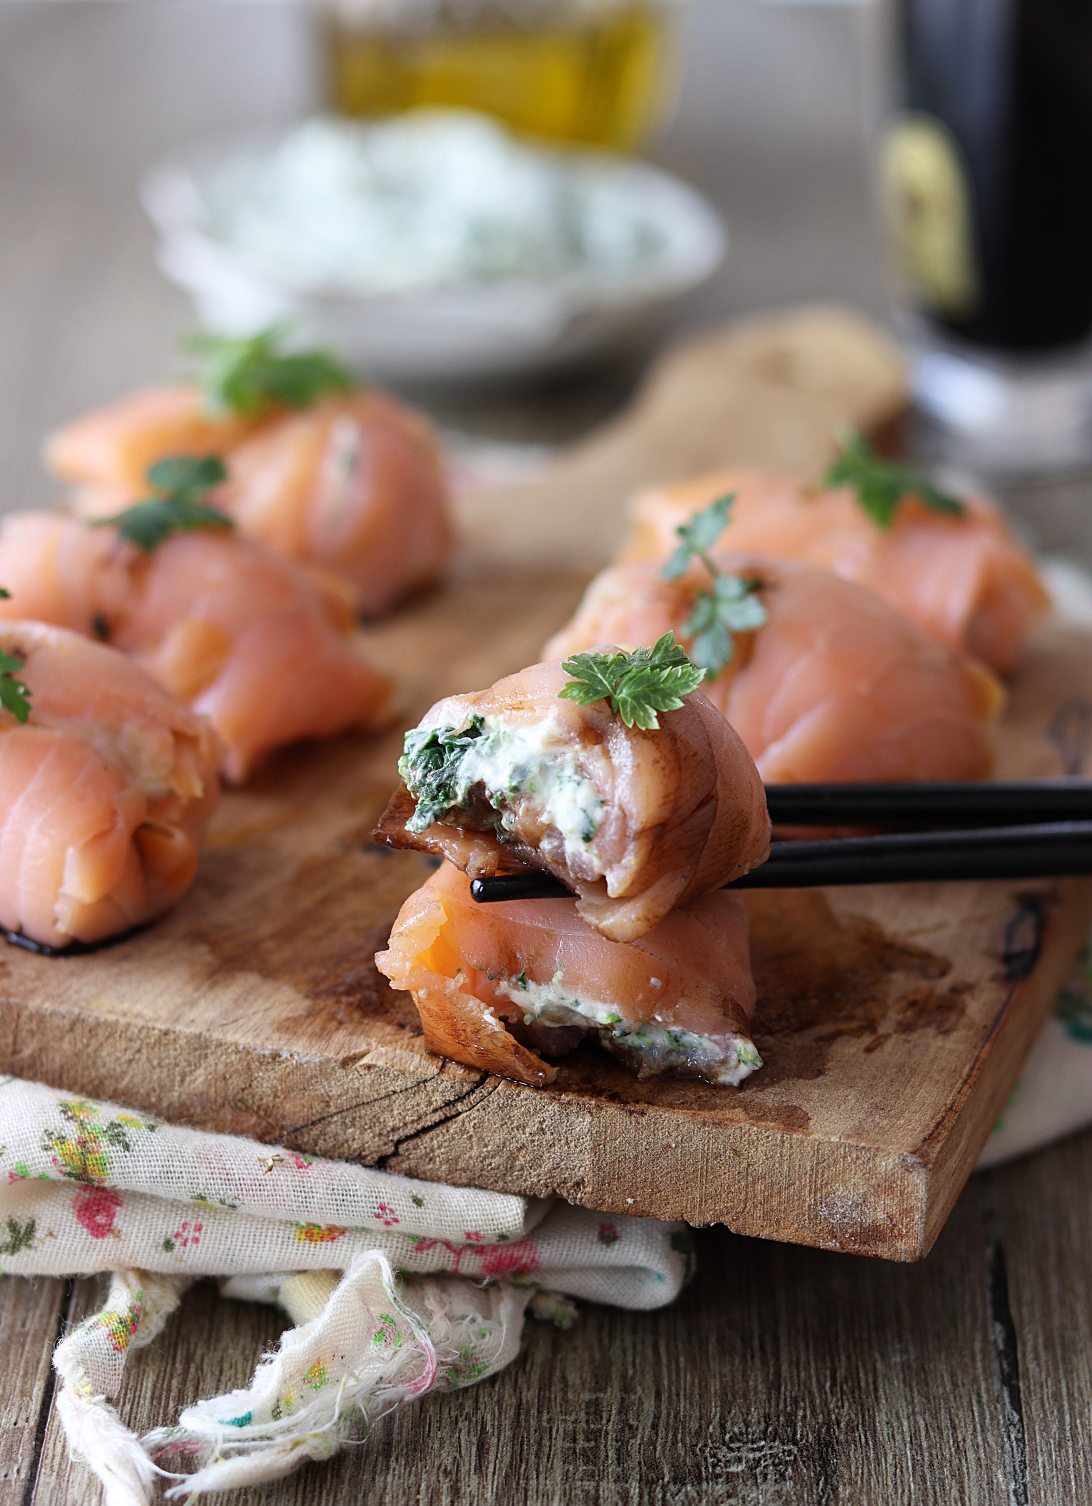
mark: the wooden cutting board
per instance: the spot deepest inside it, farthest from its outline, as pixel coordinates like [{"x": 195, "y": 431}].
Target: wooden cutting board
[{"x": 892, "y": 1021}]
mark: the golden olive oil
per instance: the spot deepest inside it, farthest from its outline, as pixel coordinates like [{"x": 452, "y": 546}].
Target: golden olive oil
[{"x": 598, "y": 78}]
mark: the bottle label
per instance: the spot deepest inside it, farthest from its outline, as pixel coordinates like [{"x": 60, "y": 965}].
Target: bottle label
[{"x": 929, "y": 214}]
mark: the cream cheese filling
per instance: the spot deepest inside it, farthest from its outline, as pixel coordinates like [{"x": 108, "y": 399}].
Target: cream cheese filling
[
  {"x": 536, "y": 764},
  {"x": 650, "y": 1045}
]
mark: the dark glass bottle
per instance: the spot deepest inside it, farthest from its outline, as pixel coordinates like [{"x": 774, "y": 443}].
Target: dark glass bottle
[{"x": 999, "y": 93}]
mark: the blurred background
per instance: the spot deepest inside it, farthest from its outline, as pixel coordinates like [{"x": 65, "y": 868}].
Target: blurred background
[{"x": 773, "y": 110}]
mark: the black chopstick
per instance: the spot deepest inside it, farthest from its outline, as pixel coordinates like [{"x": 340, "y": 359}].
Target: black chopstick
[
  {"x": 1048, "y": 850},
  {"x": 931, "y": 807}
]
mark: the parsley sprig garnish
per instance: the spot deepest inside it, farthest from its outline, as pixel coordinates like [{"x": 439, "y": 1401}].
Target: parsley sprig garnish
[
  {"x": 882, "y": 485},
  {"x": 252, "y": 375},
  {"x": 179, "y": 484},
  {"x": 636, "y": 685},
  {"x": 730, "y": 607},
  {"x": 14, "y": 695}
]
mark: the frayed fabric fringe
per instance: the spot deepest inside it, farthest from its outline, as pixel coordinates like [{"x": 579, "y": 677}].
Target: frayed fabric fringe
[{"x": 375, "y": 1341}]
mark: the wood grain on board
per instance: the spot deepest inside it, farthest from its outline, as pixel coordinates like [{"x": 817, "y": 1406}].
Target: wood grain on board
[{"x": 892, "y": 1020}]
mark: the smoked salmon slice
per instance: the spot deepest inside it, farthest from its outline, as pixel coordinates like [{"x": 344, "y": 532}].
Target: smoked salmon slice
[
  {"x": 105, "y": 792},
  {"x": 964, "y": 581},
  {"x": 502, "y": 987},
  {"x": 634, "y": 820},
  {"x": 230, "y": 628},
  {"x": 837, "y": 686}
]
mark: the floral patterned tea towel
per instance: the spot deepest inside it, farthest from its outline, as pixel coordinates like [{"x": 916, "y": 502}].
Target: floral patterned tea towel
[{"x": 396, "y": 1287}]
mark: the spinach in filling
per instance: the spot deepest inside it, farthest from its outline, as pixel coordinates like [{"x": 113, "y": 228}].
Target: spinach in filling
[{"x": 430, "y": 769}]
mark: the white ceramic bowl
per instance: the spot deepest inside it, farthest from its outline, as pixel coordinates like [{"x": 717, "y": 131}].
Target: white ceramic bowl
[{"x": 505, "y": 327}]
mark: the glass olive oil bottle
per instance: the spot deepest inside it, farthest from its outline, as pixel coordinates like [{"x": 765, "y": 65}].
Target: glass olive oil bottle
[{"x": 591, "y": 71}]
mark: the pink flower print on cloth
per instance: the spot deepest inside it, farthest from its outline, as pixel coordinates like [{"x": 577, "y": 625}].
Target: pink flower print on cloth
[
  {"x": 96, "y": 1208},
  {"x": 517, "y": 1261},
  {"x": 186, "y": 1237}
]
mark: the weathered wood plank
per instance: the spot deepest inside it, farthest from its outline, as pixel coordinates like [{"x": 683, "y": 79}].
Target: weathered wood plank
[
  {"x": 212, "y": 1346},
  {"x": 781, "y": 1375},
  {"x": 30, "y": 1317},
  {"x": 59, "y": 1478},
  {"x": 1044, "y": 1222}
]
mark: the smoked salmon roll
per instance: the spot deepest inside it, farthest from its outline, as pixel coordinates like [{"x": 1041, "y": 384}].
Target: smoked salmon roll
[
  {"x": 106, "y": 790},
  {"x": 963, "y": 580},
  {"x": 224, "y": 624},
  {"x": 834, "y": 686},
  {"x": 354, "y": 484},
  {"x": 634, "y": 819},
  {"x": 501, "y": 987}
]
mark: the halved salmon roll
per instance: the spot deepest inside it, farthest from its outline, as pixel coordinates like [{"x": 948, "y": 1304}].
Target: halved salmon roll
[
  {"x": 496, "y": 985},
  {"x": 105, "y": 792},
  {"x": 634, "y": 820},
  {"x": 354, "y": 484},
  {"x": 964, "y": 581},
  {"x": 234, "y": 631},
  {"x": 837, "y": 686}
]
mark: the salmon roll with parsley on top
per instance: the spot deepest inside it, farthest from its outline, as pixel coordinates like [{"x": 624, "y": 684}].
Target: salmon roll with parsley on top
[
  {"x": 343, "y": 479},
  {"x": 821, "y": 679},
  {"x": 950, "y": 565},
  {"x": 504, "y": 991},
  {"x": 107, "y": 786},
  {"x": 613, "y": 772},
  {"x": 231, "y": 629}
]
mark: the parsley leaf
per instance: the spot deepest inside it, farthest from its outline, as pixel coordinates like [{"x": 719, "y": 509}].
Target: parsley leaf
[
  {"x": 251, "y": 375},
  {"x": 14, "y": 695},
  {"x": 429, "y": 768},
  {"x": 179, "y": 485},
  {"x": 698, "y": 536},
  {"x": 730, "y": 607},
  {"x": 636, "y": 685},
  {"x": 881, "y": 485}
]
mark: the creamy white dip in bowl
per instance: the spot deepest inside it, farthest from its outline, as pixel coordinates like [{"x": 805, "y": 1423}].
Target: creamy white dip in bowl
[{"x": 430, "y": 246}]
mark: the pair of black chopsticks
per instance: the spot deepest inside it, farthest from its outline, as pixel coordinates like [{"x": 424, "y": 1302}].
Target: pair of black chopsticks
[{"x": 1040, "y": 828}]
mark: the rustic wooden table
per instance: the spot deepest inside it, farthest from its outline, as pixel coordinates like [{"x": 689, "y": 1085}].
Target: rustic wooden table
[{"x": 782, "y": 1374}]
